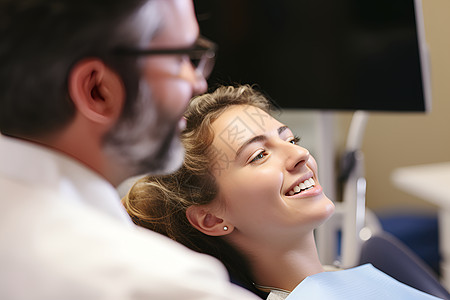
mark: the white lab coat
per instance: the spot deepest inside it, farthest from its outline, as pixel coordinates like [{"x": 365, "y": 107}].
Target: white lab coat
[{"x": 64, "y": 235}]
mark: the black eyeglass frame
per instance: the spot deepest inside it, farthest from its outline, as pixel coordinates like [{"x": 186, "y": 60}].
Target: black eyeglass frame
[{"x": 203, "y": 50}]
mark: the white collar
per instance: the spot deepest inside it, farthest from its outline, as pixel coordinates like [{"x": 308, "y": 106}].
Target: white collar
[{"x": 33, "y": 164}]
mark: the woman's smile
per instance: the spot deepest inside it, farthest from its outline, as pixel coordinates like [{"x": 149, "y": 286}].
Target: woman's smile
[{"x": 313, "y": 190}]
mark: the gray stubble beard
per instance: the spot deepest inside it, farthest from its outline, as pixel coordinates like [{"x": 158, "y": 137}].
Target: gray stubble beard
[{"x": 145, "y": 142}]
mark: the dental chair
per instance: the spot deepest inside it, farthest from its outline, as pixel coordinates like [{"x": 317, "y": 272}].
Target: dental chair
[{"x": 388, "y": 254}]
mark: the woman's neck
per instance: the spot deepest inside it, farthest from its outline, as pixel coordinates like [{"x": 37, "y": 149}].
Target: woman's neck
[{"x": 285, "y": 268}]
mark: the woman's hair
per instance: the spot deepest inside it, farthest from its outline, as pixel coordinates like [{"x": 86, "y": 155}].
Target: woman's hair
[{"x": 159, "y": 203}]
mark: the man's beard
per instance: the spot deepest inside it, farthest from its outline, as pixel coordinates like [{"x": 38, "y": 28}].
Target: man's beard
[{"x": 145, "y": 142}]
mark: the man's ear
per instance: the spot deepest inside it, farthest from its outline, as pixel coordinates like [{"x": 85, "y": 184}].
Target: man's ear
[
  {"x": 97, "y": 91},
  {"x": 204, "y": 220}
]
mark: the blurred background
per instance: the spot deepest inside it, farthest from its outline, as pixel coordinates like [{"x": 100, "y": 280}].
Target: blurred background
[{"x": 393, "y": 141}]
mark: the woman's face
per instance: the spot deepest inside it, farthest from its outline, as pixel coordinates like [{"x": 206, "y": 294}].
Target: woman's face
[{"x": 268, "y": 185}]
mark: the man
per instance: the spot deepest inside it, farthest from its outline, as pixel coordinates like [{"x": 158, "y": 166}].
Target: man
[{"x": 92, "y": 92}]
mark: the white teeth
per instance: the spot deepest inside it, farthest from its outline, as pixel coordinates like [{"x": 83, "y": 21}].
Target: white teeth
[{"x": 308, "y": 183}]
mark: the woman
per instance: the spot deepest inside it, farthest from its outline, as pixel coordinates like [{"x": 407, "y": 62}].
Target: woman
[{"x": 247, "y": 193}]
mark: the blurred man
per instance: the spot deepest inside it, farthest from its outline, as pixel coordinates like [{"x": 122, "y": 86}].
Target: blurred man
[{"x": 92, "y": 92}]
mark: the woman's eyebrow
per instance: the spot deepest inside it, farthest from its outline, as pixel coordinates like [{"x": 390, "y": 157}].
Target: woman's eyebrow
[
  {"x": 281, "y": 129},
  {"x": 258, "y": 138},
  {"x": 254, "y": 139}
]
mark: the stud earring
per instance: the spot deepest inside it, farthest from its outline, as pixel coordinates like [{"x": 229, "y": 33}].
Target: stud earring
[{"x": 225, "y": 228}]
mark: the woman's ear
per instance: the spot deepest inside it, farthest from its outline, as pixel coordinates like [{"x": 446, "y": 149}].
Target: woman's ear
[
  {"x": 204, "y": 220},
  {"x": 97, "y": 91}
]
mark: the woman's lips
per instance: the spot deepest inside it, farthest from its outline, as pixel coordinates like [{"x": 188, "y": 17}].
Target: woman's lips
[
  {"x": 306, "y": 184},
  {"x": 314, "y": 191}
]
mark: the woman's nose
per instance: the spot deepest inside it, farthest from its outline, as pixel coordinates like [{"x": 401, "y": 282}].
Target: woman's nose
[{"x": 296, "y": 157}]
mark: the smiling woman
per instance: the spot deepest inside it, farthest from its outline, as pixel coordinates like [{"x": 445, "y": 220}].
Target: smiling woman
[
  {"x": 231, "y": 198},
  {"x": 247, "y": 193},
  {"x": 264, "y": 164}
]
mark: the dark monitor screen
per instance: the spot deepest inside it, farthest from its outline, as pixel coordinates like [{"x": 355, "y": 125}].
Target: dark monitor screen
[{"x": 320, "y": 54}]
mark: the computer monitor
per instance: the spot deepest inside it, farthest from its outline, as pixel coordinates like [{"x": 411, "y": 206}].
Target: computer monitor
[{"x": 322, "y": 54}]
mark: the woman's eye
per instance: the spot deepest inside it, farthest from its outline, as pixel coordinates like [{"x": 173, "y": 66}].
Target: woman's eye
[
  {"x": 259, "y": 156},
  {"x": 294, "y": 140}
]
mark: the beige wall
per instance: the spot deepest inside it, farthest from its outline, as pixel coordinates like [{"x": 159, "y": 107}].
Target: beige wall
[{"x": 397, "y": 140}]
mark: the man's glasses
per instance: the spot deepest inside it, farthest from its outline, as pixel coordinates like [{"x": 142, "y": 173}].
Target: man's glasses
[{"x": 202, "y": 54}]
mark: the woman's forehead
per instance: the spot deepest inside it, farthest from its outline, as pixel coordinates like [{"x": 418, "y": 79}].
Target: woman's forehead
[{"x": 239, "y": 123}]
